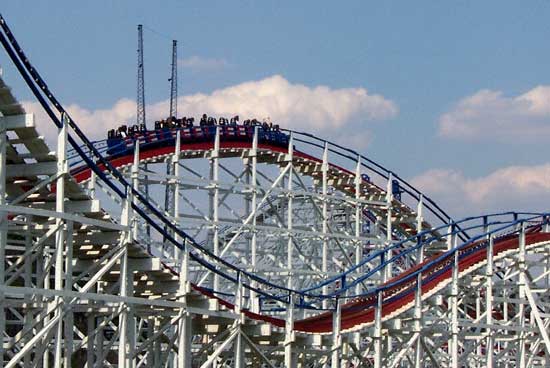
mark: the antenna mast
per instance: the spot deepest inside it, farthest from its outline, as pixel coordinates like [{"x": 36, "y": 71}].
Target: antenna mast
[
  {"x": 174, "y": 81},
  {"x": 140, "y": 80}
]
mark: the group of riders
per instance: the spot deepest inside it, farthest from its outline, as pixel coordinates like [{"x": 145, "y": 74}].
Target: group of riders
[{"x": 172, "y": 122}]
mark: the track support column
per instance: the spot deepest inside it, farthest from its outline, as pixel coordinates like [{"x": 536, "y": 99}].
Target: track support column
[
  {"x": 418, "y": 321},
  {"x": 454, "y": 311},
  {"x": 389, "y": 253},
  {"x": 489, "y": 304},
  {"x": 253, "y": 156},
  {"x": 378, "y": 331},
  {"x": 62, "y": 170},
  {"x": 3, "y": 233},
  {"x": 337, "y": 335},
  {"x": 358, "y": 231},
  {"x": 239, "y": 345},
  {"x": 521, "y": 356},
  {"x": 216, "y": 203},
  {"x": 124, "y": 345},
  {"x": 324, "y": 214},
  {"x": 289, "y": 333},
  {"x": 289, "y": 326}
]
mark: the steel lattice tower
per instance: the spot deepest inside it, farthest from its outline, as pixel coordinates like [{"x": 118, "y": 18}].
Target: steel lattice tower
[{"x": 140, "y": 80}]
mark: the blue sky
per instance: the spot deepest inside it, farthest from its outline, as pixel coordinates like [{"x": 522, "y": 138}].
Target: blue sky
[{"x": 423, "y": 57}]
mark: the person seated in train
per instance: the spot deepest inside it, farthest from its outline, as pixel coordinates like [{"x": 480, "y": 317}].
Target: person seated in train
[
  {"x": 204, "y": 120},
  {"x": 189, "y": 122},
  {"x": 157, "y": 125},
  {"x": 235, "y": 119},
  {"x": 276, "y": 127},
  {"x": 111, "y": 134},
  {"x": 142, "y": 128},
  {"x": 211, "y": 121},
  {"x": 246, "y": 122},
  {"x": 123, "y": 129}
]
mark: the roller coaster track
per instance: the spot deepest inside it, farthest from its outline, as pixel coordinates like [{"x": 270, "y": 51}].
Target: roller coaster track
[{"x": 276, "y": 253}]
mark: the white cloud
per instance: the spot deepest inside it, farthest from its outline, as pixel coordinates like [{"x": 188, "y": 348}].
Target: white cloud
[
  {"x": 489, "y": 115},
  {"x": 198, "y": 63},
  {"x": 317, "y": 109},
  {"x": 524, "y": 188}
]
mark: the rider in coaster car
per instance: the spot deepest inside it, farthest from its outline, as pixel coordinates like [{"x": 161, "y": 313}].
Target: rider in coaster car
[
  {"x": 123, "y": 129},
  {"x": 204, "y": 120},
  {"x": 211, "y": 121},
  {"x": 189, "y": 122}
]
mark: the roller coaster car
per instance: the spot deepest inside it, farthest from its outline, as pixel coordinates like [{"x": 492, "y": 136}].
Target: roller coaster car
[{"x": 165, "y": 134}]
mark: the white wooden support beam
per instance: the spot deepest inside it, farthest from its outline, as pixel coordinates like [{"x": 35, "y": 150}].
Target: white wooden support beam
[
  {"x": 289, "y": 333},
  {"x": 337, "y": 335},
  {"x": 216, "y": 203},
  {"x": 418, "y": 361},
  {"x": 3, "y": 232},
  {"x": 62, "y": 171},
  {"x": 522, "y": 281},
  {"x": 124, "y": 349},
  {"x": 239, "y": 344},
  {"x": 324, "y": 220},
  {"x": 389, "y": 232},
  {"x": 453, "y": 300},
  {"x": 22, "y": 121},
  {"x": 69, "y": 316},
  {"x": 358, "y": 231},
  {"x": 490, "y": 341},
  {"x": 377, "y": 336},
  {"x": 48, "y": 168},
  {"x": 253, "y": 154},
  {"x": 290, "y": 218}
]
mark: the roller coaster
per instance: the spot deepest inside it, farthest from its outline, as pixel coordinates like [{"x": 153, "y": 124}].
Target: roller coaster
[{"x": 242, "y": 245}]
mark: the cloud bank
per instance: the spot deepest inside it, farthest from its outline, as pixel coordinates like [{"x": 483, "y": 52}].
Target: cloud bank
[
  {"x": 489, "y": 115},
  {"x": 511, "y": 188},
  {"x": 318, "y": 109}
]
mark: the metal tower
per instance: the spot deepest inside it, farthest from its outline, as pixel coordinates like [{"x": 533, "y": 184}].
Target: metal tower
[
  {"x": 174, "y": 81},
  {"x": 140, "y": 80}
]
